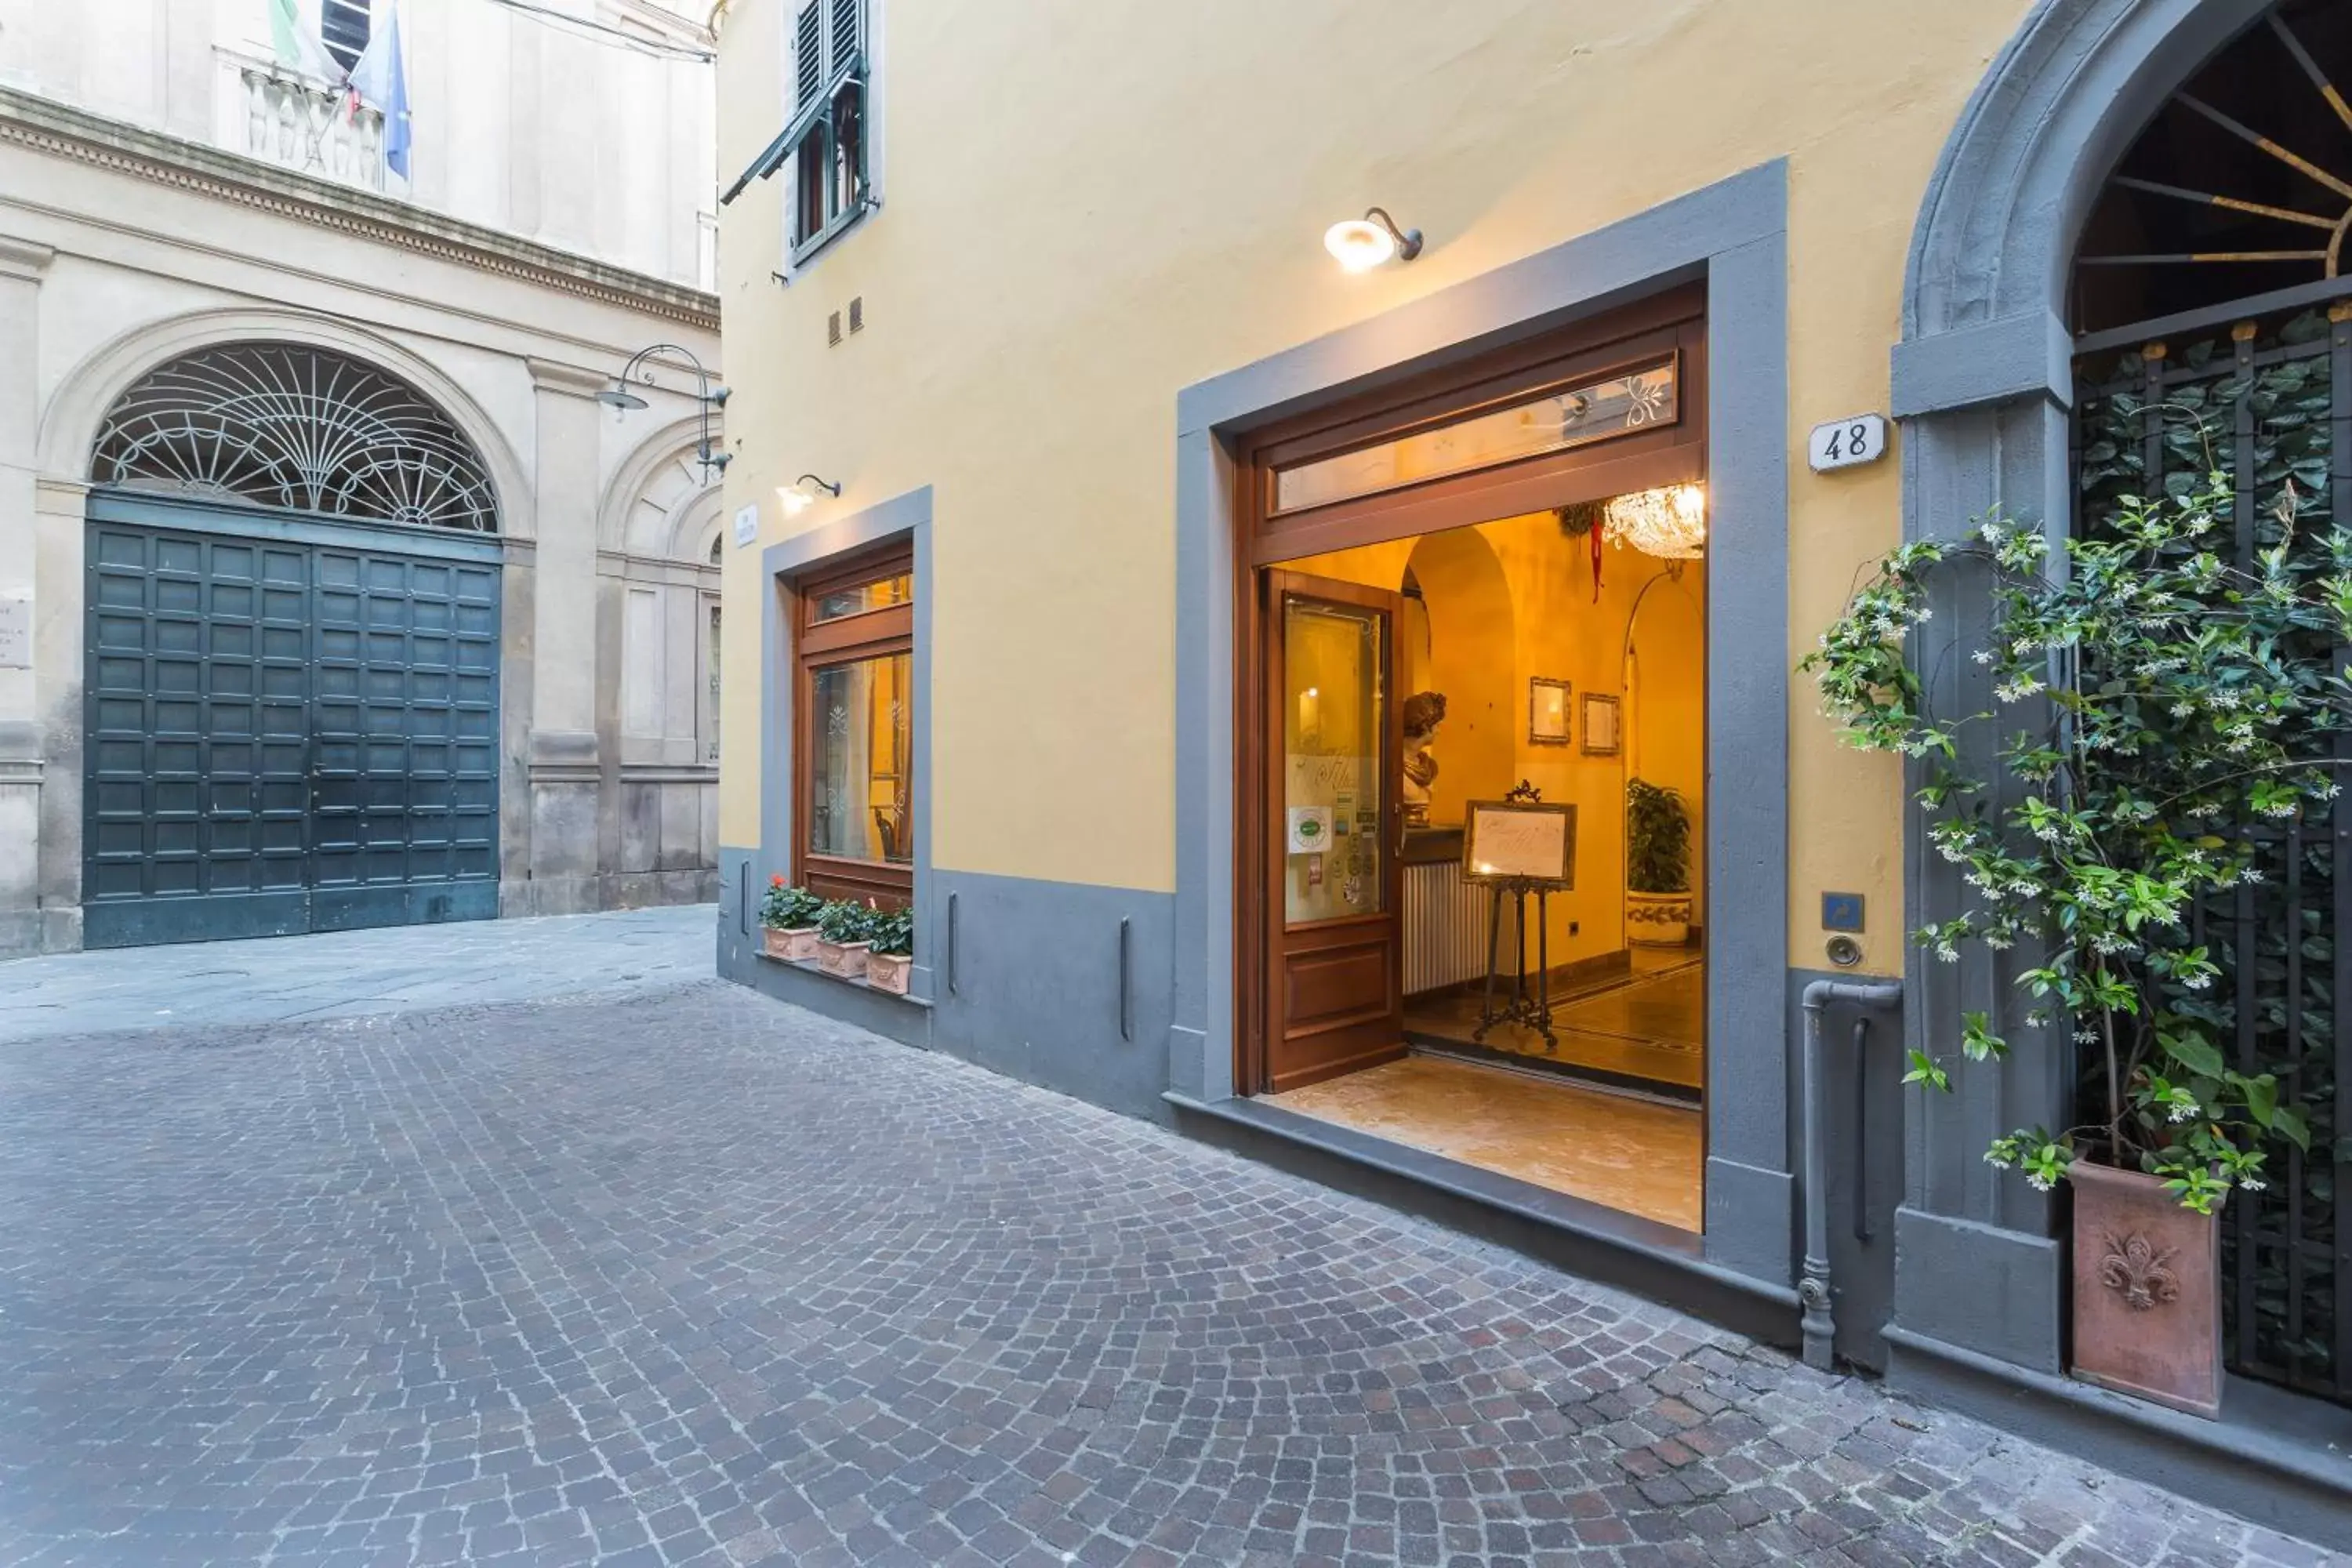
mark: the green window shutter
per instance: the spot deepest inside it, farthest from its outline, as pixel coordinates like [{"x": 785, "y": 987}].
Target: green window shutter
[
  {"x": 847, "y": 39},
  {"x": 808, "y": 54}
]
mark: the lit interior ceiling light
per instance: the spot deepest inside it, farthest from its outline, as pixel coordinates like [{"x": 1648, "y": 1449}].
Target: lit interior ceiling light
[
  {"x": 1669, "y": 523},
  {"x": 1362, "y": 244}
]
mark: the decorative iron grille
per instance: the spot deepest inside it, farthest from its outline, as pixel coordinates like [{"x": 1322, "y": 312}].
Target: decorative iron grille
[
  {"x": 2269, "y": 403},
  {"x": 283, "y": 425}
]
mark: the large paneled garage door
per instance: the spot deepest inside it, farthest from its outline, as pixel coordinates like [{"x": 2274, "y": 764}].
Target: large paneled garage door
[{"x": 291, "y": 709}]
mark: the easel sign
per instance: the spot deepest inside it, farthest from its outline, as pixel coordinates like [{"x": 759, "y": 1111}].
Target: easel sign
[{"x": 1510, "y": 841}]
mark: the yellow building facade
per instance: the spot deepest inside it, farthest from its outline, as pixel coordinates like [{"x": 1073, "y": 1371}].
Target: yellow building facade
[{"x": 1031, "y": 327}]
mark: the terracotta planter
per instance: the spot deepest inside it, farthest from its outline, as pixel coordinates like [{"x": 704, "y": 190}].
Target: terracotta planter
[
  {"x": 793, "y": 945},
  {"x": 1657, "y": 919},
  {"x": 2148, "y": 1293},
  {"x": 889, "y": 972},
  {"x": 772, "y": 941},
  {"x": 845, "y": 959}
]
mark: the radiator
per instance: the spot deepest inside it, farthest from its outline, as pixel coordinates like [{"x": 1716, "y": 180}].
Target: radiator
[{"x": 1445, "y": 928}]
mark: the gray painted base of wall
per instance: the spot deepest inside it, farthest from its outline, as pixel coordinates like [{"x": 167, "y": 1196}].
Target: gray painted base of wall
[
  {"x": 1999, "y": 1293},
  {"x": 2272, "y": 1457},
  {"x": 1023, "y": 978}
]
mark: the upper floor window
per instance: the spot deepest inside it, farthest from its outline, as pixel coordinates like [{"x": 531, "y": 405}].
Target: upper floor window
[
  {"x": 826, "y": 140},
  {"x": 343, "y": 28}
]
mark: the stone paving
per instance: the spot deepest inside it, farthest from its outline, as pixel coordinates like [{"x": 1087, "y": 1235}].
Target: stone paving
[
  {"x": 342, "y": 975},
  {"x": 688, "y": 1275}
]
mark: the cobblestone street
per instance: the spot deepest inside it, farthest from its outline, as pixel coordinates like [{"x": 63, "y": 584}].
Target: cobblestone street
[{"x": 687, "y": 1276}]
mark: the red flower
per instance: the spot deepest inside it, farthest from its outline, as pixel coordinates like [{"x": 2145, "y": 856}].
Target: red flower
[{"x": 776, "y": 881}]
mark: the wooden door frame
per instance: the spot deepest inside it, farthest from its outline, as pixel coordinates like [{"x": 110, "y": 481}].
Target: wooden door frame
[
  {"x": 868, "y": 634},
  {"x": 1670, "y": 323}
]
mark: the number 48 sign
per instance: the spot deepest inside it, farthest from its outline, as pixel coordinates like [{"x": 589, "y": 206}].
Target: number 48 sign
[{"x": 1842, "y": 443}]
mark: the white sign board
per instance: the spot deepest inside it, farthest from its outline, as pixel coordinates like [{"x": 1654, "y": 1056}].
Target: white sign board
[
  {"x": 1842, "y": 443},
  {"x": 1507, "y": 840},
  {"x": 16, "y": 632},
  {"x": 747, "y": 526}
]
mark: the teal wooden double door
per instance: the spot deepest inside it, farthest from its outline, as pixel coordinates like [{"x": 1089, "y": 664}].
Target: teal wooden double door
[{"x": 290, "y": 726}]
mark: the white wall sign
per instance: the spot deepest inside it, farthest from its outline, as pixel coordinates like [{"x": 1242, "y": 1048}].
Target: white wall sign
[
  {"x": 747, "y": 526},
  {"x": 1842, "y": 443},
  {"x": 15, "y": 634}
]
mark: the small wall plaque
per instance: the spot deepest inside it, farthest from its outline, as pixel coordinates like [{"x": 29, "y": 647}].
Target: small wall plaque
[
  {"x": 1841, "y": 911},
  {"x": 16, "y": 632},
  {"x": 747, "y": 526},
  {"x": 1844, "y": 443}
]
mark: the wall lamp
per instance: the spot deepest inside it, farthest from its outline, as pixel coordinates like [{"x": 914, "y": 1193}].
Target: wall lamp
[
  {"x": 707, "y": 395},
  {"x": 801, "y": 493},
  {"x": 1363, "y": 243}
]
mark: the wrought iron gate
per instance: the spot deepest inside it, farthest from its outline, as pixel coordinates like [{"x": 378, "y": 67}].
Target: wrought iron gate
[{"x": 2269, "y": 403}]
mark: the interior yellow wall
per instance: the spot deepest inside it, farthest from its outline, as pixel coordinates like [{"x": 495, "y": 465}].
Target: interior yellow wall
[{"x": 1071, "y": 235}]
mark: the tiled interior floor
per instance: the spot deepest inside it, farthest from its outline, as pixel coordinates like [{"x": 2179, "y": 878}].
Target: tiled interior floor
[
  {"x": 1650, "y": 1027},
  {"x": 1631, "y": 1154}
]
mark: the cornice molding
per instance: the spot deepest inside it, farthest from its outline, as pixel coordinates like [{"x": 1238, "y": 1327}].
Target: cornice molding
[
  {"x": 44, "y": 125},
  {"x": 569, "y": 379},
  {"x": 24, "y": 258}
]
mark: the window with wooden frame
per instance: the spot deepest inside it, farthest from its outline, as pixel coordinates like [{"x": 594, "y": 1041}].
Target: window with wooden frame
[
  {"x": 853, "y": 744},
  {"x": 826, "y": 138}
]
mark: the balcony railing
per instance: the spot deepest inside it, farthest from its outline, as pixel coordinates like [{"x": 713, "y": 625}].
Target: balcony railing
[{"x": 311, "y": 127}]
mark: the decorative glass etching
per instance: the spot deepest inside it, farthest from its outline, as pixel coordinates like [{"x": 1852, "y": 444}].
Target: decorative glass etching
[
  {"x": 282, "y": 425},
  {"x": 1623, "y": 404}
]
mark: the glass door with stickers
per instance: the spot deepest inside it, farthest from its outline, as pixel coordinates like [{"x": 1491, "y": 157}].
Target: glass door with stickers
[{"x": 1335, "y": 998}]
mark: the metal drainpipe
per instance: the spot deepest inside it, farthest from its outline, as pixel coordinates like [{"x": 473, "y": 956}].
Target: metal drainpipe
[{"x": 1820, "y": 1327}]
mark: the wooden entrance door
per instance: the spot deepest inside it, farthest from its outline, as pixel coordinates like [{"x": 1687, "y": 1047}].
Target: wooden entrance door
[{"x": 1333, "y": 748}]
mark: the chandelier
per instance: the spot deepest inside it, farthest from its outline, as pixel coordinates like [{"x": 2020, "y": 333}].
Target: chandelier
[{"x": 1669, "y": 523}]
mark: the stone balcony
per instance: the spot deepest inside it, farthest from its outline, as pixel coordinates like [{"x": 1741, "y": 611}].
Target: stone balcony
[{"x": 309, "y": 126}]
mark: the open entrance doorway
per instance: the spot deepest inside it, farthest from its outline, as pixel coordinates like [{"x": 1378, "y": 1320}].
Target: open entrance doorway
[{"x": 1528, "y": 670}]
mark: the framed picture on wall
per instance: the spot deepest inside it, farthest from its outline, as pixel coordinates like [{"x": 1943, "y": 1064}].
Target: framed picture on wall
[
  {"x": 1546, "y": 711},
  {"x": 1601, "y": 721}
]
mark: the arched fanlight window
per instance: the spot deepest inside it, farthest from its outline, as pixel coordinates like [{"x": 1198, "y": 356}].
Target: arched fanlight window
[{"x": 287, "y": 425}]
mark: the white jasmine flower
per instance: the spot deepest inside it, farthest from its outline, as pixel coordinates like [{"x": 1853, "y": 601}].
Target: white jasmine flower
[
  {"x": 2038, "y": 1182},
  {"x": 2252, "y": 1183},
  {"x": 1983, "y": 656},
  {"x": 2198, "y": 982},
  {"x": 2182, "y": 1112}
]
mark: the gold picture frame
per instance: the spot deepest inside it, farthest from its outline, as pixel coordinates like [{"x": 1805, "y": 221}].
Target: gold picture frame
[
  {"x": 1547, "y": 711},
  {"x": 1603, "y": 725}
]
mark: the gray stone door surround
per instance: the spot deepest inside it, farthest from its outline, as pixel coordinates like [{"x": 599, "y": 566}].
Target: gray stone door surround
[
  {"x": 1732, "y": 235},
  {"x": 1983, "y": 387}
]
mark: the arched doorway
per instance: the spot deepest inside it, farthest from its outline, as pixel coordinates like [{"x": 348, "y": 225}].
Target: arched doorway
[
  {"x": 291, "y": 692},
  {"x": 2128, "y": 270}
]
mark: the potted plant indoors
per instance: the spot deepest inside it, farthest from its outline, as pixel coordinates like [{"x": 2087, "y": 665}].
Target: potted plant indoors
[
  {"x": 788, "y": 921},
  {"x": 890, "y": 957},
  {"x": 2150, "y": 705},
  {"x": 841, "y": 941},
  {"x": 1657, "y": 866}
]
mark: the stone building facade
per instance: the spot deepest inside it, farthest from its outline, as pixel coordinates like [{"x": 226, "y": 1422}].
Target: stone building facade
[{"x": 330, "y": 593}]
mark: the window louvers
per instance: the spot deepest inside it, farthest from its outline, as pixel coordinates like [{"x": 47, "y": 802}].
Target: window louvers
[
  {"x": 844, "y": 40},
  {"x": 808, "y": 53}
]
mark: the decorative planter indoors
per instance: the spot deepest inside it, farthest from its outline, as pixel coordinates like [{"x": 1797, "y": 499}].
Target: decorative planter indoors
[
  {"x": 2148, "y": 1296},
  {"x": 799, "y": 944},
  {"x": 889, "y": 972},
  {"x": 845, "y": 959},
  {"x": 1657, "y": 919}
]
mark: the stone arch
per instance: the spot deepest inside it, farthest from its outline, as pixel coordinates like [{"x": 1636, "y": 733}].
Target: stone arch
[
  {"x": 77, "y": 411},
  {"x": 1983, "y": 381},
  {"x": 659, "y": 501}
]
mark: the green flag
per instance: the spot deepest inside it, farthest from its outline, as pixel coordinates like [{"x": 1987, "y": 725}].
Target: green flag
[{"x": 296, "y": 48}]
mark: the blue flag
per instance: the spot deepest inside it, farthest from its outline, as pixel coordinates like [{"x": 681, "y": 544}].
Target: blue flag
[{"x": 381, "y": 77}]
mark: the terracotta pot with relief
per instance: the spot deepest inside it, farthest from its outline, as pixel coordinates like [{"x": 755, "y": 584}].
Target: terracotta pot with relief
[
  {"x": 793, "y": 945},
  {"x": 1657, "y": 919},
  {"x": 2148, "y": 1294},
  {"x": 845, "y": 959},
  {"x": 889, "y": 972}
]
